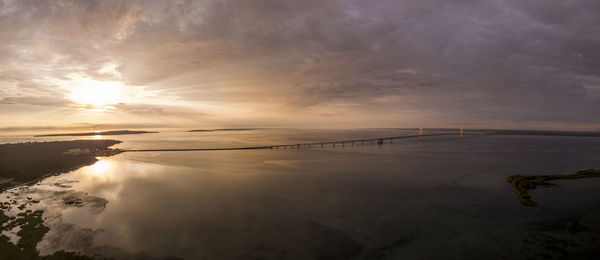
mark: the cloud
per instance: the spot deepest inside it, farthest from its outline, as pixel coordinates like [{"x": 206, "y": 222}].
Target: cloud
[
  {"x": 146, "y": 109},
  {"x": 80, "y": 127},
  {"x": 36, "y": 101},
  {"x": 466, "y": 60}
]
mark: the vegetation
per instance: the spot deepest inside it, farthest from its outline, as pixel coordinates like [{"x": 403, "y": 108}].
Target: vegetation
[
  {"x": 522, "y": 184},
  {"x": 25, "y": 162},
  {"x": 120, "y": 132},
  {"x": 32, "y": 231}
]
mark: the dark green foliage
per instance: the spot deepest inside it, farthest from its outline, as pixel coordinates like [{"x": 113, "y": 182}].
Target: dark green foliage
[
  {"x": 8, "y": 183},
  {"x": 25, "y": 162},
  {"x": 3, "y": 218},
  {"x": 32, "y": 231},
  {"x": 522, "y": 184}
]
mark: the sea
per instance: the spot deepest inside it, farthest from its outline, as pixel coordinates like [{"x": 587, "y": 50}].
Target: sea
[{"x": 439, "y": 197}]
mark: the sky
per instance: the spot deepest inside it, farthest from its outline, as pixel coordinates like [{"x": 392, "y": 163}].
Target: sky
[{"x": 304, "y": 63}]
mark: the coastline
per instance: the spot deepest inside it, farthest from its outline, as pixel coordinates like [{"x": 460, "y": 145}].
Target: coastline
[{"x": 27, "y": 163}]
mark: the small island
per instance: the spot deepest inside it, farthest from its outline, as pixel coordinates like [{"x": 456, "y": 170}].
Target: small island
[
  {"x": 522, "y": 184},
  {"x": 118, "y": 132},
  {"x": 23, "y": 163}
]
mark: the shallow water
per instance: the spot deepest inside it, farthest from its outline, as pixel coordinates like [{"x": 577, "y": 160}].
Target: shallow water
[{"x": 445, "y": 197}]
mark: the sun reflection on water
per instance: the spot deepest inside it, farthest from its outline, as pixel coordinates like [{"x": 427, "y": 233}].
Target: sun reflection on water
[
  {"x": 100, "y": 167},
  {"x": 97, "y": 137}
]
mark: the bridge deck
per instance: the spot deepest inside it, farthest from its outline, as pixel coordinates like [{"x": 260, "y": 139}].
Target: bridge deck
[{"x": 379, "y": 140}]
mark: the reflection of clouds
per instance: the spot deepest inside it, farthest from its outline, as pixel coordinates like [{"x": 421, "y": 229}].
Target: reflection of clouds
[
  {"x": 55, "y": 199},
  {"x": 61, "y": 206},
  {"x": 12, "y": 234},
  {"x": 77, "y": 209},
  {"x": 108, "y": 177},
  {"x": 100, "y": 167},
  {"x": 285, "y": 163},
  {"x": 62, "y": 200}
]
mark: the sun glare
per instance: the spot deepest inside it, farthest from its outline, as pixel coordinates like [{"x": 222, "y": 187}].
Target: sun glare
[
  {"x": 100, "y": 167},
  {"x": 95, "y": 93}
]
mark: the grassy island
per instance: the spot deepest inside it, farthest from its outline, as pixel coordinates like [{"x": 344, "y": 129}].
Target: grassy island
[
  {"x": 522, "y": 184},
  {"x": 26, "y": 162},
  {"x": 120, "y": 132}
]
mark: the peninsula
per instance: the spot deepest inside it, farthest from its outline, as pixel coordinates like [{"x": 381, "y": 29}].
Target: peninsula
[
  {"x": 118, "y": 132},
  {"x": 23, "y": 163},
  {"x": 522, "y": 184}
]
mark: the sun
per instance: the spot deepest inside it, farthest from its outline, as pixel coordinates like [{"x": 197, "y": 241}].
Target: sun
[{"x": 95, "y": 93}]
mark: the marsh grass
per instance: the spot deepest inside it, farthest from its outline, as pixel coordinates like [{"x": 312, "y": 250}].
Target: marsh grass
[
  {"x": 24, "y": 163},
  {"x": 32, "y": 231},
  {"x": 523, "y": 183}
]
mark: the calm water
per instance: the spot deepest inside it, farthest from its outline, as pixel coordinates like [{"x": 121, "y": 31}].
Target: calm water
[{"x": 446, "y": 197}]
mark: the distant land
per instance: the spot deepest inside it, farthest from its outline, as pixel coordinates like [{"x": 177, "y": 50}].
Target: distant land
[
  {"x": 119, "y": 132},
  {"x": 23, "y": 163},
  {"x": 511, "y": 131},
  {"x": 544, "y": 132},
  {"x": 222, "y": 130},
  {"x": 521, "y": 184}
]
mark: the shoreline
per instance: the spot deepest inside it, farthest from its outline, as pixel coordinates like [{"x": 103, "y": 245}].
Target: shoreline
[
  {"x": 26, "y": 163},
  {"x": 522, "y": 184}
]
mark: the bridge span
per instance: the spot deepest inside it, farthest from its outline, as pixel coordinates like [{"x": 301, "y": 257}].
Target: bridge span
[{"x": 379, "y": 141}]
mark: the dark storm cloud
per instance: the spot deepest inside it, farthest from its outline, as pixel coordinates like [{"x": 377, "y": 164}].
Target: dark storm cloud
[{"x": 457, "y": 61}]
